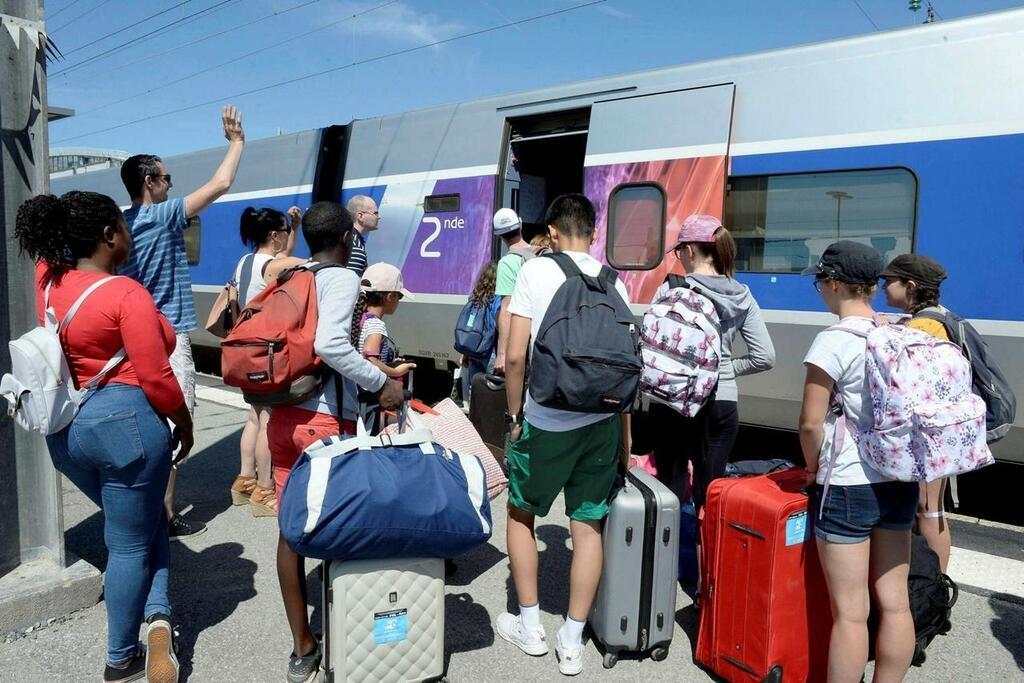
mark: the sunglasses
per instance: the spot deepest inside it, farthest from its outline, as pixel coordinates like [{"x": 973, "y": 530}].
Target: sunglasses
[
  {"x": 166, "y": 178},
  {"x": 817, "y": 283}
]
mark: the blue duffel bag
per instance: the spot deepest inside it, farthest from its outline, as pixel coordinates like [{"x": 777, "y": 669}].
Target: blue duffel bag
[{"x": 401, "y": 495}]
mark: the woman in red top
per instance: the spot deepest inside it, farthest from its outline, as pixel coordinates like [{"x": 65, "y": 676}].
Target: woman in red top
[{"x": 119, "y": 449}]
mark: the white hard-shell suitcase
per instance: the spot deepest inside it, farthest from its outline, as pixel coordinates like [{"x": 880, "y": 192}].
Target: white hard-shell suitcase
[{"x": 383, "y": 620}]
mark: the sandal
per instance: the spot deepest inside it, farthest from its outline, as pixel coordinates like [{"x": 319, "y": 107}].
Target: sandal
[
  {"x": 242, "y": 489},
  {"x": 263, "y": 502}
]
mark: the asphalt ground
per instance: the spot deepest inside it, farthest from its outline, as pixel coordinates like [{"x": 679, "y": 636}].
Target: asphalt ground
[{"x": 228, "y": 608}]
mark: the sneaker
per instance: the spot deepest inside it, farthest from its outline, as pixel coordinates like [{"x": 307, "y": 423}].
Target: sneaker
[
  {"x": 177, "y": 528},
  {"x": 570, "y": 658},
  {"x": 510, "y": 627},
  {"x": 161, "y": 661},
  {"x": 134, "y": 670},
  {"x": 305, "y": 668}
]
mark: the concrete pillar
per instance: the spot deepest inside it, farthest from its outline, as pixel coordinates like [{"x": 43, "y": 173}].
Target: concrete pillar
[{"x": 36, "y": 581}]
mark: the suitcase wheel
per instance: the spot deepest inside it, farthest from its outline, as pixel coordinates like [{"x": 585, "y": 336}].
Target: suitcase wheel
[
  {"x": 610, "y": 660},
  {"x": 659, "y": 654}
]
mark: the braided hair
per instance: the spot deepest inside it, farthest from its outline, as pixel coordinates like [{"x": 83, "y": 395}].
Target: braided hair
[
  {"x": 59, "y": 231},
  {"x": 924, "y": 296},
  {"x": 364, "y": 301}
]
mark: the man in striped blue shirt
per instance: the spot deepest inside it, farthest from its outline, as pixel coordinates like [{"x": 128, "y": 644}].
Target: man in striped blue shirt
[
  {"x": 365, "y": 219},
  {"x": 159, "y": 263}
]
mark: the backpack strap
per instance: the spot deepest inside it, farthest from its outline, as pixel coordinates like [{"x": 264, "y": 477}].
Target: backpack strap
[
  {"x": 566, "y": 263},
  {"x": 245, "y": 277},
  {"x": 675, "y": 281},
  {"x": 116, "y": 359}
]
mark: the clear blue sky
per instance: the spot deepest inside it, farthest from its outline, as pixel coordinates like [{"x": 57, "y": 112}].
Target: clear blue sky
[{"x": 613, "y": 37}]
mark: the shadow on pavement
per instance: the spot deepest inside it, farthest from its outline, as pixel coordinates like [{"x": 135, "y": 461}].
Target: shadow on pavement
[
  {"x": 553, "y": 572},
  {"x": 473, "y": 564},
  {"x": 1008, "y": 625},
  {"x": 467, "y": 626}
]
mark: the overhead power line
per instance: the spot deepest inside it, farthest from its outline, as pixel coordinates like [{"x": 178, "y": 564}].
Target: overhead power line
[
  {"x": 182, "y": 46},
  {"x": 63, "y": 9},
  {"x": 130, "y": 26},
  {"x": 866, "y": 15},
  {"x": 343, "y": 67},
  {"x": 78, "y": 16},
  {"x": 265, "y": 48},
  {"x": 165, "y": 28}
]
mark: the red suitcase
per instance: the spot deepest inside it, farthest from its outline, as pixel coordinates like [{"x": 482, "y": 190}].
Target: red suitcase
[{"x": 765, "y": 612}]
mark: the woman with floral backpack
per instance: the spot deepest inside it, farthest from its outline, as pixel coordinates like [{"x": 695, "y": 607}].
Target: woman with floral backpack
[
  {"x": 864, "y": 516},
  {"x": 707, "y": 253}
]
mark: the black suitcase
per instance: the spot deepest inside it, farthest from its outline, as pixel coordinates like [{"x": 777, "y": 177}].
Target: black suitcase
[{"x": 487, "y": 407}]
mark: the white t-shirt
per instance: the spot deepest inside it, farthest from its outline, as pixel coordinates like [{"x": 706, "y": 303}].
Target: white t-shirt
[
  {"x": 536, "y": 285},
  {"x": 841, "y": 355},
  {"x": 256, "y": 282}
]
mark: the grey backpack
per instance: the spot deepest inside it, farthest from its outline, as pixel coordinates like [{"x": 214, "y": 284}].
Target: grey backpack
[
  {"x": 586, "y": 356},
  {"x": 989, "y": 381}
]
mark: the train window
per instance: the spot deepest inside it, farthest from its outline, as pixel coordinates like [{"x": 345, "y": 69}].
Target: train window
[
  {"x": 441, "y": 203},
  {"x": 783, "y": 223},
  {"x": 636, "y": 226},
  {"x": 193, "y": 233}
]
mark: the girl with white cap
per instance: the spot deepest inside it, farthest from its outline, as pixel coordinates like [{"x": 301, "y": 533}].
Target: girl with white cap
[{"x": 380, "y": 293}]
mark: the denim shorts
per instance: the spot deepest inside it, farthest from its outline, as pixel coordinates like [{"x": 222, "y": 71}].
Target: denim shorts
[{"x": 851, "y": 512}]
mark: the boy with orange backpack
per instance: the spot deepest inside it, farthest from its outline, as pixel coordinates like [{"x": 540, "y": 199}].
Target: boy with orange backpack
[{"x": 278, "y": 365}]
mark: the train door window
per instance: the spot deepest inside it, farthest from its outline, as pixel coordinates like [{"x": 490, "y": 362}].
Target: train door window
[
  {"x": 783, "y": 223},
  {"x": 636, "y": 226},
  {"x": 192, "y": 235}
]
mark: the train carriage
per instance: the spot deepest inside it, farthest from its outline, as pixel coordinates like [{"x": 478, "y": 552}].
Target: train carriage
[{"x": 907, "y": 140}]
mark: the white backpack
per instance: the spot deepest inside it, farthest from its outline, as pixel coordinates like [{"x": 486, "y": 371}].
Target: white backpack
[
  {"x": 40, "y": 390},
  {"x": 927, "y": 422},
  {"x": 681, "y": 346}
]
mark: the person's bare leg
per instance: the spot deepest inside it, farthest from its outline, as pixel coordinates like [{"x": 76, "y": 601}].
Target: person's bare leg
[
  {"x": 890, "y": 567},
  {"x": 846, "y": 573},
  {"x": 291, "y": 576},
  {"x": 522, "y": 554},
  {"x": 585, "y": 573},
  {"x": 261, "y": 451},
  {"x": 247, "y": 444},
  {"x": 169, "y": 494},
  {"x": 931, "y": 520}
]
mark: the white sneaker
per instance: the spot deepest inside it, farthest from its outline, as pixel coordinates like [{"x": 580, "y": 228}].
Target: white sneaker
[
  {"x": 570, "y": 658},
  {"x": 510, "y": 627}
]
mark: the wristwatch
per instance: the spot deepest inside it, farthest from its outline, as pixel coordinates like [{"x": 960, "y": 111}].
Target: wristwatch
[{"x": 511, "y": 419}]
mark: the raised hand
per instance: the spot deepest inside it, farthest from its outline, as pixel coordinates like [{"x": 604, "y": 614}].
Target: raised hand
[{"x": 232, "y": 119}]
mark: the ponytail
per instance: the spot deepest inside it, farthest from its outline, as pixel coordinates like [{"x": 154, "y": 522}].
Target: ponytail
[
  {"x": 59, "y": 231},
  {"x": 357, "y": 319},
  {"x": 256, "y": 225},
  {"x": 722, "y": 252}
]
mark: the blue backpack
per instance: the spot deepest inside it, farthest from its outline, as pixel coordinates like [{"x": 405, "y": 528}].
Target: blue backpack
[{"x": 476, "y": 332}]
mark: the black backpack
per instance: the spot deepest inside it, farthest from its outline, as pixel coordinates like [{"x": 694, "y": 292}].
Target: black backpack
[
  {"x": 989, "y": 381},
  {"x": 586, "y": 357},
  {"x": 932, "y": 596}
]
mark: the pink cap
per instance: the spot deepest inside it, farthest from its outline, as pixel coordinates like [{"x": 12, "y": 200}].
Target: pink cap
[{"x": 697, "y": 228}]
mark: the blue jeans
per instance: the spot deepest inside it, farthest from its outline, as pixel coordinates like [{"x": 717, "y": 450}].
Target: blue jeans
[{"x": 118, "y": 452}]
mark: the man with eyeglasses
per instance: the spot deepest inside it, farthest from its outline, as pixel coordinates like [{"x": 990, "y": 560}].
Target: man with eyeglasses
[
  {"x": 158, "y": 259},
  {"x": 365, "y": 218}
]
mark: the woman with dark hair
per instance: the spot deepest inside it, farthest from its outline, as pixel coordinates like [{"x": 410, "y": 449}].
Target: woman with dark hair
[
  {"x": 268, "y": 231},
  {"x": 863, "y": 518},
  {"x": 911, "y": 283},
  {"x": 118, "y": 449},
  {"x": 707, "y": 253}
]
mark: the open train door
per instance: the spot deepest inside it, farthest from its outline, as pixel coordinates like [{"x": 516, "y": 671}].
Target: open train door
[{"x": 651, "y": 161}]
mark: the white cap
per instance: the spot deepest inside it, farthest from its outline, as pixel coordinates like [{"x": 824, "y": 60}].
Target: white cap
[
  {"x": 505, "y": 221},
  {"x": 384, "y": 277}
]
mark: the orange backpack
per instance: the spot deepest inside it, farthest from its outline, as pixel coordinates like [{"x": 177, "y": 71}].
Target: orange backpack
[{"x": 269, "y": 352}]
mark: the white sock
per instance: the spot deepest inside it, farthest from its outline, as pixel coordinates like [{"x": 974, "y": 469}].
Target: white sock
[
  {"x": 571, "y": 633},
  {"x": 530, "y": 616}
]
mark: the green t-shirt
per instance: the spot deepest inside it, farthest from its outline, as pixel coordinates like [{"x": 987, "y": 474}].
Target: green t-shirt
[{"x": 508, "y": 273}]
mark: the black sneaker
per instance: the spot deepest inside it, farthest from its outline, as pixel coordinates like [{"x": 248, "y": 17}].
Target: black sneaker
[
  {"x": 305, "y": 668},
  {"x": 177, "y": 528},
  {"x": 134, "y": 670}
]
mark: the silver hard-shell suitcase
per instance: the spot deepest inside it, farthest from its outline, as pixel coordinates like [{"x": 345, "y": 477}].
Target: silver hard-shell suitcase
[
  {"x": 383, "y": 620},
  {"x": 635, "y": 607}
]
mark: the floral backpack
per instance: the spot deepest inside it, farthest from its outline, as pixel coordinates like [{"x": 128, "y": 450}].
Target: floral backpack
[
  {"x": 681, "y": 346},
  {"x": 927, "y": 423}
]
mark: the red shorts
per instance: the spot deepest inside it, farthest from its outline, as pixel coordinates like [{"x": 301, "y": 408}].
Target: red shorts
[{"x": 291, "y": 430}]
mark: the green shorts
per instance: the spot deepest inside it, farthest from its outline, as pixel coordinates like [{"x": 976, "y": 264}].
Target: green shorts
[{"x": 582, "y": 462}]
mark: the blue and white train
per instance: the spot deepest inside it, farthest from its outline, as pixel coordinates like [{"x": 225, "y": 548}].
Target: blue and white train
[{"x": 909, "y": 140}]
